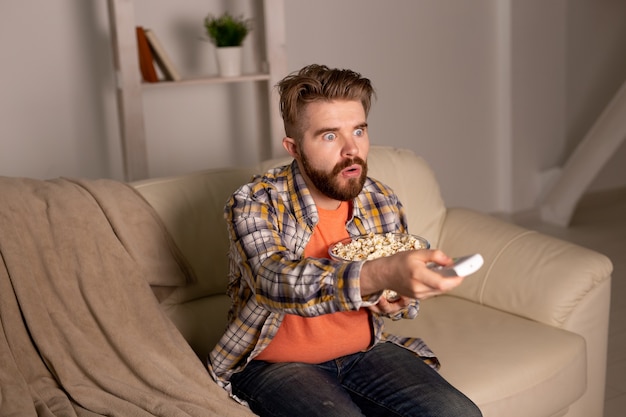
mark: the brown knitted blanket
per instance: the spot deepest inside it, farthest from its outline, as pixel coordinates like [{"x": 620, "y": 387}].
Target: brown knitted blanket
[{"x": 81, "y": 331}]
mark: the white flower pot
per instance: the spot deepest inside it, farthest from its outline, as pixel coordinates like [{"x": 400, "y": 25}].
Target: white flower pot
[{"x": 229, "y": 61}]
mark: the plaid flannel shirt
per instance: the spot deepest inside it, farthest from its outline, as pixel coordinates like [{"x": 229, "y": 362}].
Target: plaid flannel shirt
[{"x": 270, "y": 221}]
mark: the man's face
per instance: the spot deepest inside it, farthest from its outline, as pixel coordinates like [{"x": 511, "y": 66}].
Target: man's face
[{"x": 333, "y": 150}]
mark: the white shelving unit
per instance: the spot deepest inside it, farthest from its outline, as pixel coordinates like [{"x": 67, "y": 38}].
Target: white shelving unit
[{"x": 130, "y": 87}]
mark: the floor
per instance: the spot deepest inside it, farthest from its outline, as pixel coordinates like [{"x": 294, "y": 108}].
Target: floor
[{"x": 599, "y": 223}]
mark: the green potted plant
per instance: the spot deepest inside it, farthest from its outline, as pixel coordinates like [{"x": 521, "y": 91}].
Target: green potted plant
[{"x": 228, "y": 32}]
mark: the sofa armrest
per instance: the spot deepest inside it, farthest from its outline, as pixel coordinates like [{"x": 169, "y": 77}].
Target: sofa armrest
[
  {"x": 525, "y": 273},
  {"x": 541, "y": 278}
]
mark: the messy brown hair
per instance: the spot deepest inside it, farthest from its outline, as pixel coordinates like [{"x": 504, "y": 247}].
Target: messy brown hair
[{"x": 319, "y": 83}]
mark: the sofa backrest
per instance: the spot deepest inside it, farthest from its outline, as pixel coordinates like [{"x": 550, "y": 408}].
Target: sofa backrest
[{"x": 191, "y": 206}]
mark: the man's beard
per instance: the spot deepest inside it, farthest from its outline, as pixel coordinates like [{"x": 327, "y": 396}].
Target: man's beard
[{"x": 328, "y": 183}]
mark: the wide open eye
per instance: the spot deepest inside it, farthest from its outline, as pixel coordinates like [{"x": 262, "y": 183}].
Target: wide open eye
[
  {"x": 330, "y": 136},
  {"x": 359, "y": 132}
]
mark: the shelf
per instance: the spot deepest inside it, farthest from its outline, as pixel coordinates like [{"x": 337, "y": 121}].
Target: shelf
[
  {"x": 130, "y": 86},
  {"x": 209, "y": 80}
]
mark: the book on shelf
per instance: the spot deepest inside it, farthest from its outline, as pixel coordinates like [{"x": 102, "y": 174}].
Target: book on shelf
[
  {"x": 146, "y": 61},
  {"x": 161, "y": 57}
]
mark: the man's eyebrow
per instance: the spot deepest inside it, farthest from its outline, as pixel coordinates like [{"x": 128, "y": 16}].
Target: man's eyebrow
[{"x": 324, "y": 130}]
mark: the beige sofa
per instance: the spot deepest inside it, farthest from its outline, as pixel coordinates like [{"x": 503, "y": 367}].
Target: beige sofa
[{"x": 525, "y": 336}]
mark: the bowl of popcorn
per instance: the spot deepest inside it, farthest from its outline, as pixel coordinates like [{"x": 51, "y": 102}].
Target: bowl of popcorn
[
  {"x": 375, "y": 245},
  {"x": 372, "y": 246}
]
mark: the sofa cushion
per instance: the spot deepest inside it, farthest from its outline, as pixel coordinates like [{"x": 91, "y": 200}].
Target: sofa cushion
[{"x": 507, "y": 364}]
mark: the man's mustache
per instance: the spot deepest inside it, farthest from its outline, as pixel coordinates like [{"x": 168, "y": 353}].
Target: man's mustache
[{"x": 348, "y": 162}]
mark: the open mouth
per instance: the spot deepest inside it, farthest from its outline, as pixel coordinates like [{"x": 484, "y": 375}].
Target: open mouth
[{"x": 352, "y": 171}]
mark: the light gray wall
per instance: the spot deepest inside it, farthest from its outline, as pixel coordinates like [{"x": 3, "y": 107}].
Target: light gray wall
[
  {"x": 57, "y": 114},
  {"x": 491, "y": 92},
  {"x": 432, "y": 63}
]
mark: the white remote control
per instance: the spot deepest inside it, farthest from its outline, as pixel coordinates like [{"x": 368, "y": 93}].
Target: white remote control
[{"x": 462, "y": 266}]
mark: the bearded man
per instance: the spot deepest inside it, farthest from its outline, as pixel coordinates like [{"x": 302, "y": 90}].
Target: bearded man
[{"x": 305, "y": 333}]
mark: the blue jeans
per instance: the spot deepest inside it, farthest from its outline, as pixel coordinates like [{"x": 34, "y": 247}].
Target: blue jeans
[{"x": 387, "y": 380}]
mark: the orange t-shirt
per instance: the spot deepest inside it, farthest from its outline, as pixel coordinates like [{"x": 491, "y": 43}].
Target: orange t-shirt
[{"x": 322, "y": 338}]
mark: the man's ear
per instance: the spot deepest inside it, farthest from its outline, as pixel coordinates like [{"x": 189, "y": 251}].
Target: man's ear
[{"x": 290, "y": 146}]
